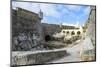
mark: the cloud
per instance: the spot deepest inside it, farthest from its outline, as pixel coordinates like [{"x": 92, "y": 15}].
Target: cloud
[
  {"x": 84, "y": 13},
  {"x": 74, "y": 8},
  {"x": 56, "y": 13},
  {"x": 50, "y": 10},
  {"x": 87, "y": 10},
  {"x": 26, "y": 5}
]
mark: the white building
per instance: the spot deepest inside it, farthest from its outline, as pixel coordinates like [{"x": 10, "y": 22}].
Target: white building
[
  {"x": 67, "y": 31},
  {"x": 77, "y": 30}
]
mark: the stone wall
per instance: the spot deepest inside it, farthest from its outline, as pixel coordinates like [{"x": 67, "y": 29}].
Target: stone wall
[
  {"x": 24, "y": 24},
  {"x": 39, "y": 57},
  {"x": 25, "y": 21},
  {"x": 50, "y": 29},
  {"x": 91, "y": 29}
]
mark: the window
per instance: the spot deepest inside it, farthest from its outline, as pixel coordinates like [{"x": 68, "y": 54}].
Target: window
[
  {"x": 72, "y": 33},
  {"x": 63, "y": 31},
  {"x": 67, "y": 32},
  {"x": 78, "y": 32}
]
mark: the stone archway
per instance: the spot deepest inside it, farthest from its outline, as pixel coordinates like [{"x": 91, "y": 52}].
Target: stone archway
[
  {"x": 72, "y": 33},
  {"x": 47, "y": 38},
  {"x": 78, "y": 32}
]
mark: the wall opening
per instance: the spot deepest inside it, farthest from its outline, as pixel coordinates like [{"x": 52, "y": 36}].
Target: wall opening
[
  {"x": 47, "y": 38},
  {"x": 63, "y": 31},
  {"x": 72, "y": 33},
  {"x": 78, "y": 32},
  {"x": 67, "y": 32}
]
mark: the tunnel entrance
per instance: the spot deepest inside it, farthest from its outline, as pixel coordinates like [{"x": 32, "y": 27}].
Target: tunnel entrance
[{"x": 47, "y": 38}]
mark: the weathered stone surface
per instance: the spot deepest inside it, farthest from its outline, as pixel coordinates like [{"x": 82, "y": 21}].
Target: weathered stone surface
[
  {"x": 24, "y": 24},
  {"x": 91, "y": 30},
  {"x": 38, "y": 57}
]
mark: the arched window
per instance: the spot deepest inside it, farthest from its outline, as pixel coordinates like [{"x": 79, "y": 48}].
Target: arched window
[
  {"x": 72, "y": 33},
  {"x": 63, "y": 31},
  {"x": 67, "y": 32},
  {"x": 78, "y": 32}
]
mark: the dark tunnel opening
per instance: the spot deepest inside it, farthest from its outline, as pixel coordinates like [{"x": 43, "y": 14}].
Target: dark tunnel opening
[{"x": 47, "y": 38}]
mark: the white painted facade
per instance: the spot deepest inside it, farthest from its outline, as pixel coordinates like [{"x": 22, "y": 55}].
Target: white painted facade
[{"x": 68, "y": 32}]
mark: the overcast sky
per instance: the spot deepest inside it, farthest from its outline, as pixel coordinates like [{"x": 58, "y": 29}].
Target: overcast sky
[{"x": 57, "y": 13}]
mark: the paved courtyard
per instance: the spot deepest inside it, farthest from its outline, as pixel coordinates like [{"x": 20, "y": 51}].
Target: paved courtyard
[{"x": 74, "y": 51}]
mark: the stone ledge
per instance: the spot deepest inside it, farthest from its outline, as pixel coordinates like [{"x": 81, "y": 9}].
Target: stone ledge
[{"x": 26, "y": 58}]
